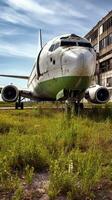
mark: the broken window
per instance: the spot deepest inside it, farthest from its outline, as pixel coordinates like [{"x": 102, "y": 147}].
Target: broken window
[
  {"x": 109, "y": 82},
  {"x": 106, "y": 41},
  {"x": 107, "y": 24},
  {"x": 94, "y": 35}
]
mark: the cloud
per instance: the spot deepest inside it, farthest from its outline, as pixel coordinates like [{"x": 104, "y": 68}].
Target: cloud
[
  {"x": 48, "y": 13},
  {"x": 12, "y": 16},
  {"x": 48, "y": 8},
  {"x": 30, "y": 6},
  {"x": 8, "y": 32},
  {"x": 56, "y": 17},
  {"x": 66, "y": 9},
  {"x": 18, "y": 50},
  {"x": 30, "y": 13},
  {"x": 95, "y": 9}
]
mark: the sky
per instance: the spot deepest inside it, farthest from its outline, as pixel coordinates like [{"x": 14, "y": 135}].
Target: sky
[{"x": 20, "y": 21}]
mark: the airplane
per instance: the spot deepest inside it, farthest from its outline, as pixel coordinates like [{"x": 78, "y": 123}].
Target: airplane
[{"x": 62, "y": 72}]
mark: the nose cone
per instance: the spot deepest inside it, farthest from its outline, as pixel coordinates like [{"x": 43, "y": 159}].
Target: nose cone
[{"x": 79, "y": 62}]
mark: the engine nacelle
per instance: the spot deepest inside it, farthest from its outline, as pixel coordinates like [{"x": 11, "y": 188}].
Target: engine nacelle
[
  {"x": 97, "y": 94},
  {"x": 10, "y": 93}
]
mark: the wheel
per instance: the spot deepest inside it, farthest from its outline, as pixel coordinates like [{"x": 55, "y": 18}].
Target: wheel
[
  {"x": 81, "y": 106},
  {"x": 21, "y": 105},
  {"x": 78, "y": 108},
  {"x": 68, "y": 109},
  {"x": 16, "y": 105}
]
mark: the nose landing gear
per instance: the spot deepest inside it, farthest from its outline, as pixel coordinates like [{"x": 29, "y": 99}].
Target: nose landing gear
[{"x": 73, "y": 108}]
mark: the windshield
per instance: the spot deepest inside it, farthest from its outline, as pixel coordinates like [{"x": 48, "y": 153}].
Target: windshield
[
  {"x": 84, "y": 44},
  {"x": 75, "y": 43},
  {"x": 68, "y": 43}
]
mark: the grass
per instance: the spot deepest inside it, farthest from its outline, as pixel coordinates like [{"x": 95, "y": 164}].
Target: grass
[
  {"x": 77, "y": 152},
  {"x": 34, "y": 104}
]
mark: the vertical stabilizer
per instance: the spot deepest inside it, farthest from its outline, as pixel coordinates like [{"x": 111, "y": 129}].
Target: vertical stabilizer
[{"x": 41, "y": 43}]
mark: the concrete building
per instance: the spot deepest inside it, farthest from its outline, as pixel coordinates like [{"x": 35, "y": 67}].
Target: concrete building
[{"x": 101, "y": 38}]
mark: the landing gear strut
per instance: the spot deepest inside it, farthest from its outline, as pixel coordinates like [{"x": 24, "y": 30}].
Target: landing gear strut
[
  {"x": 78, "y": 107},
  {"x": 73, "y": 108},
  {"x": 19, "y": 104}
]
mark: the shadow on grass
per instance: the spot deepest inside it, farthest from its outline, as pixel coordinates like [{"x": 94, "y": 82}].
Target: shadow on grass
[{"x": 98, "y": 113}]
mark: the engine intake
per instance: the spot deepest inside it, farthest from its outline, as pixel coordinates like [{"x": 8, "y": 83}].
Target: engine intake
[
  {"x": 97, "y": 94},
  {"x": 10, "y": 93}
]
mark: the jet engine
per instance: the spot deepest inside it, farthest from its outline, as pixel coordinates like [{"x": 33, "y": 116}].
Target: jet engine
[
  {"x": 10, "y": 93},
  {"x": 97, "y": 94}
]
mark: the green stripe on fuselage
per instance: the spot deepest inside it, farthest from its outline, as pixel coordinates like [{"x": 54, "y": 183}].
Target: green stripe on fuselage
[{"x": 51, "y": 87}]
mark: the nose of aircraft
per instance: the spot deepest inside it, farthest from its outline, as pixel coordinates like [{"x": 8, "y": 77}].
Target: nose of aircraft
[{"x": 79, "y": 62}]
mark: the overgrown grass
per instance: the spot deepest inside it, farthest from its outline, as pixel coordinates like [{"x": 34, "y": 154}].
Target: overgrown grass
[{"x": 77, "y": 152}]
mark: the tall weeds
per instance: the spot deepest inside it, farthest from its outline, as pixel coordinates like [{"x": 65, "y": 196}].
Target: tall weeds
[{"x": 76, "y": 152}]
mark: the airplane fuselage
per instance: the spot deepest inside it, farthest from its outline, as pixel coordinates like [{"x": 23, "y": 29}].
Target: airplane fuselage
[
  {"x": 66, "y": 62},
  {"x": 63, "y": 71}
]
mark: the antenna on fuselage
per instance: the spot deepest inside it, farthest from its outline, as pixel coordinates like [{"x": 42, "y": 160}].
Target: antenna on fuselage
[{"x": 41, "y": 45}]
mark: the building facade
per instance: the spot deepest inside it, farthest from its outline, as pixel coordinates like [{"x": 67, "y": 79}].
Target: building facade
[{"x": 101, "y": 39}]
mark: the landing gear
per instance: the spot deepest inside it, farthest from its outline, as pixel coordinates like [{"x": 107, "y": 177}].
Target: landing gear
[
  {"x": 73, "y": 108},
  {"x": 19, "y": 104},
  {"x": 78, "y": 108}
]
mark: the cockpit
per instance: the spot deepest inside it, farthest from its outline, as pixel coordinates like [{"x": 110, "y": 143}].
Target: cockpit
[
  {"x": 75, "y": 43},
  {"x": 70, "y": 41}
]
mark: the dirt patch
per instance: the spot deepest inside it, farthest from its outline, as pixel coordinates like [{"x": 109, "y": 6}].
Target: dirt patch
[
  {"x": 38, "y": 188},
  {"x": 104, "y": 191}
]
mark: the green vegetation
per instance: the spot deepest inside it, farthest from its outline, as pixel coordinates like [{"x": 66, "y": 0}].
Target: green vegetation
[
  {"x": 77, "y": 152},
  {"x": 33, "y": 104}
]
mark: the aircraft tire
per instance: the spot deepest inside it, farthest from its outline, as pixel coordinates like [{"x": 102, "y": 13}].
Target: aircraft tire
[
  {"x": 22, "y": 105},
  {"x": 78, "y": 108},
  {"x": 16, "y": 105},
  {"x": 81, "y": 106}
]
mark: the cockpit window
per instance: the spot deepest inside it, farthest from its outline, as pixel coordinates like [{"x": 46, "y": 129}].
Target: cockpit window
[
  {"x": 51, "y": 48},
  {"x": 84, "y": 44},
  {"x": 68, "y": 43},
  {"x": 54, "y": 46}
]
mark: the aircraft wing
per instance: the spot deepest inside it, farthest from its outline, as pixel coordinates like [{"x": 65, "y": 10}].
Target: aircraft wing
[
  {"x": 28, "y": 94},
  {"x": 15, "y": 76},
  {"x": 10, "y": 89},
  {"x": 25, "y": 93}
]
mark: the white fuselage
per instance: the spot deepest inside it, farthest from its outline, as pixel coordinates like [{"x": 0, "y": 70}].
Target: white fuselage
[
  {"x": 62, "y": 71},
  {"x": 62, "y": 61}
]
